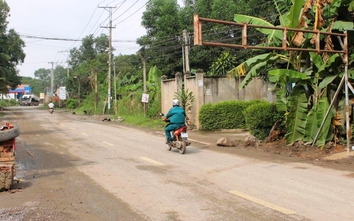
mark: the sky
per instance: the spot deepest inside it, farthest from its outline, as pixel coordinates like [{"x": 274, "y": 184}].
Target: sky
[{"x": 36, "y": 21}]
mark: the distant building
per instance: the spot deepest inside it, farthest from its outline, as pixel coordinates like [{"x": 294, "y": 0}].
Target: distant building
[{"x": 17, "y": 93}]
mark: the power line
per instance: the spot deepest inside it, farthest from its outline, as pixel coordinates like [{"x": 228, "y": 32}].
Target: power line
[
  {"x": 126, "y": 10},
  {"x": 64, "y": 39},
  {"x": 132, "y": 14}
]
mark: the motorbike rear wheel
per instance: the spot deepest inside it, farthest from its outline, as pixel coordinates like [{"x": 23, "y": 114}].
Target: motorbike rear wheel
[
  {"x": 168, "y": 146},
  {"x": 183, "y": 147}
]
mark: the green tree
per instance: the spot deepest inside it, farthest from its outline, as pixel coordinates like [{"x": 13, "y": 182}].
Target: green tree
[
  {"x": 35, "y": 84},
  {"x": 60, "y": 75},
  {"x": 89, "y": 48},
  {"x": 11, "y": 51},
  {"x": 163, "y": 47},
  {"x": 44, "y": 76}
]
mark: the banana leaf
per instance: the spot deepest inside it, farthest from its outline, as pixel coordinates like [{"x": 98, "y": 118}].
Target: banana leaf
[
  {"x": 282, "y": 102},
  {"x": 326, "y": 132},
  {"x": 253, "y": 66},
  {"x": 291, "y": 76},
  {"x": 311, "y": 127},
  {"x": 351, "y": 6},
  {"x": 296, "y": 119},
  {"x": 294, "y": 14},
  {"x": 342, "y": 25},
  {"x": 327, "y": 81},
  {"x": 272, "y": 34},
  {"x": 154, "y": 76}
]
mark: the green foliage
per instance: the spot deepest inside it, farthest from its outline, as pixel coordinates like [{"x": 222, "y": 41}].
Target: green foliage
[
  {"x": 186, "y": 98},
  {"x": 305, "y": 86},
  {"x": 224, "y": 115},
  {"x": 71, "y": 103},
  {"x": 296, "y": 119},
  {"x": 11, "y": 51},
  {"x": 88, "y": 50},
  {"x": 260, "y": 118},
  {"x": 254, "y": 66},
  {"x": 159, "y": 19},
  {"x": 8, "y": 103},
  {"x": 274, "y": 36},
  {"x": 223, "y": 64},
  {"x": 35, "y": 84},
  {"x": 314, "y": 120},
  {"x": 143, "y": 121}
]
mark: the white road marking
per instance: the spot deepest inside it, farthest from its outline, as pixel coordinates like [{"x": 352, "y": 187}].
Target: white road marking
[
  {"x": 199, "y": 142},
  {"x": 109, "y": 144},
  {"x": 262, "y": 202},
  {"x": 152, "y": 161}
]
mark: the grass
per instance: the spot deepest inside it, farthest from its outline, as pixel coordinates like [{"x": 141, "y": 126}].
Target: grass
[{"x": 143, "y": 121}]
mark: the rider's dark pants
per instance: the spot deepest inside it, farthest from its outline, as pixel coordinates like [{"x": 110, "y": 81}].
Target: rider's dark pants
[{"x": 171, "y": 127}]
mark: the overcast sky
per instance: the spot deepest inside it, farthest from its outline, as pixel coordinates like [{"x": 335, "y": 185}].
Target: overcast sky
[{"x": 71, "y": 19}]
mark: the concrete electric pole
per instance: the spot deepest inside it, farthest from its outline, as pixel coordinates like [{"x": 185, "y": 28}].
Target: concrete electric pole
[
  {"x": 186, "y": 50},
  {"x": 51, "y": 78},
  {"x": 109, "y": 9}
]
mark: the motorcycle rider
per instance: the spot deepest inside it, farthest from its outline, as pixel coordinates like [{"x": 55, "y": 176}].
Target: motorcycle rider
[
  {"x": 177, "y": 117},
  {"x": 51, "y": 105}
]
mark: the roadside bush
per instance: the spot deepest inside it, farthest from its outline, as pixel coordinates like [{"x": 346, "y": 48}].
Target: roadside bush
[
  {"x": 224, "y": 115},
  {"x": 71, "y": 103},
  {"x": 205, "y": 117},
  {"x": 7, "y": 103},
  {"x": 260, "y": 118}
]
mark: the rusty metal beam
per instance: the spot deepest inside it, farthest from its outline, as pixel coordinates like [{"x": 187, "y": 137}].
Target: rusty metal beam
[
  {"x": 197, "y": 31},
  {"x": 199, "y": 41},
  {"x": 217, "y": 44}
]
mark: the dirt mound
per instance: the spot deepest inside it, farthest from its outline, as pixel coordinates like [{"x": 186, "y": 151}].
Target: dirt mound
[{"x": 303, "y": 151}]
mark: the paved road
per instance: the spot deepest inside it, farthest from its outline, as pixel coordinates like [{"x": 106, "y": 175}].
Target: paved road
[{"x": 78, "y": 169}]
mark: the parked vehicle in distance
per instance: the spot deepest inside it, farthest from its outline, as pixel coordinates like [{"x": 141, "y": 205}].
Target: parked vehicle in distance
[{"x": 29, "y": 100}]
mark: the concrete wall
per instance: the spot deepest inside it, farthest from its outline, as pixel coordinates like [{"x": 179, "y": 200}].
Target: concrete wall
[
  {"x": 211, "y": 89},
  {"x": 168, "y": 89}
]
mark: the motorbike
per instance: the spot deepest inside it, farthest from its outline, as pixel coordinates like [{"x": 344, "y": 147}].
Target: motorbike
[
  {"x": 179, "y": 138},
  {"x": 51, "y": 110}
]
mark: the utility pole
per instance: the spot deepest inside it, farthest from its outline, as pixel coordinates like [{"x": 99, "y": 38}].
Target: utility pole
[
  {"x": 51, "y": 78},
  {"x": 109, "y": 9},
  {"x": 143, "y": 59},
  {"x": 183, "y": 60},
  {"x": 115, "y": 89},
  {"x": 186, "y": 51},
  {"x": 96, "y": 87}
]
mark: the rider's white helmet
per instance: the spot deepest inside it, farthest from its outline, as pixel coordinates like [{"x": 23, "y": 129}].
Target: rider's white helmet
[{"x": 175, "y": 102}]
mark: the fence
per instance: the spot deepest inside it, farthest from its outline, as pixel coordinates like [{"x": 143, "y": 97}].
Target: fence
[{"x": 211, "y": 89}]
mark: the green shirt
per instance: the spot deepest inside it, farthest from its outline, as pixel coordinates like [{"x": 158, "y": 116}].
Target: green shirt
[{"x": 177, "y": 115}]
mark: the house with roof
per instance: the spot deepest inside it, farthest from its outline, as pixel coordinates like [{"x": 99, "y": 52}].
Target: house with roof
[{"x": 17, "y": 93}]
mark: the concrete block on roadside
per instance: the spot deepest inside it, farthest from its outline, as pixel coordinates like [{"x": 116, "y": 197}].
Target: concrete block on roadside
[
  {"x": 225, "y": 142},
  {"x": 250, "y": 141}
]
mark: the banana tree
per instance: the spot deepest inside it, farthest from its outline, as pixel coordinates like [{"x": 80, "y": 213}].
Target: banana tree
[
  {"x": 312, "y": 85},
  {"x": 307, "y": 103}
]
